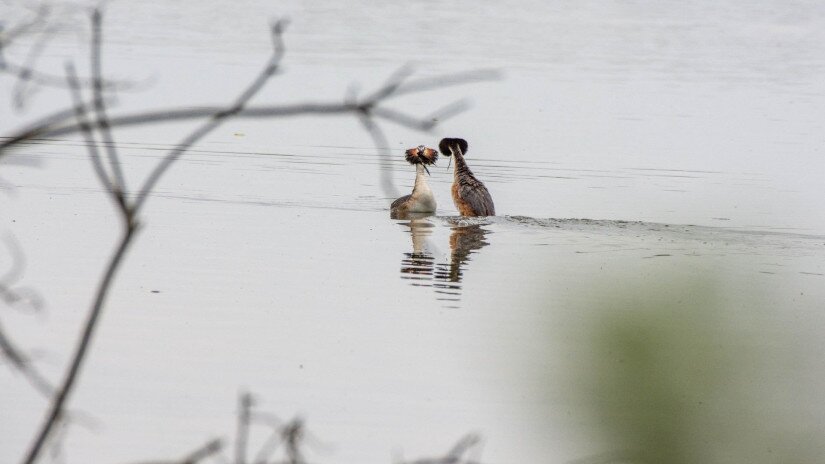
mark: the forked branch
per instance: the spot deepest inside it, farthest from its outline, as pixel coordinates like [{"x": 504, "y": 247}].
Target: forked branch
[{"x": 78, "y": 120}]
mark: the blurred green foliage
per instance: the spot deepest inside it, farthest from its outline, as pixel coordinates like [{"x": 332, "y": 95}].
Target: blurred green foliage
[{"x": 677, "y": 370}]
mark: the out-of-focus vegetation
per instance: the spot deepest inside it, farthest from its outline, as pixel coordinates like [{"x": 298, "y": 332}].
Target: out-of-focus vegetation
[{"x": 677, "y": 370}]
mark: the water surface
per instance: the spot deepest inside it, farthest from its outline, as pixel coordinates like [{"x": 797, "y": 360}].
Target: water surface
[{"x": 626, "y": 141}]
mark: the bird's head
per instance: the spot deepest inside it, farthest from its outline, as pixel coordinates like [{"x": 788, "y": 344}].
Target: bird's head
[
  {"x": 448, "y": 146},
  {"x": 422, "y": 155},
  {"x": 451, "y": 146}
]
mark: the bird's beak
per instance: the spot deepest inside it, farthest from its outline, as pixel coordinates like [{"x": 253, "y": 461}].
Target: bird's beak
[
  {"x": 449, "y": 162},
  {"x": 425, "y": 168}
]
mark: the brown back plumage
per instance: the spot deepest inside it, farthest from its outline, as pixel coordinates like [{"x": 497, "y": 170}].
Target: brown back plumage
[{"x": 469, "y": 194}]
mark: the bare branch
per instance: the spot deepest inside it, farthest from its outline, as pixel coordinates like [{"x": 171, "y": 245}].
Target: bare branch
[
  {"x": 384, "y": 154},
  {"x": 402, "y": 119},
  {"x": 56, "y": 451},
  {"x": 13, "y": 296},
  {"x": 18, "y": 261},
  {"x": 448, "y": 111},
  {"x": 206, "y": 451},
  {"x": 21, "y": 297},
  {"x": 100, "y": 108},
  {"x": 467, "y": 445},
  {"x": 242, "y": 434},
  {"x": 216, "y": 119},
  {"x": 424, "y": 124},
  {"x": 91, "y": 144},
  {"x": 58, "y": 124},
  {"x": 35, "y": 130},
  {"x": 366, "y": 109},
  {"x": 27, "y": 73},
  {"x": 24, "y": 366},
  {"x": 293, "y": 433},
  {"x": 56, "y": 410},
  {"x": 8, "y": 36},
  {"x": 448, "y": 80},
  {"x": 269, "y": 446},
  {"x": 49, "y": 80},
  {"x": 86, "y": 127},
  {"x": 56, "y": 413},
  {"x": 390, "y": 86}
]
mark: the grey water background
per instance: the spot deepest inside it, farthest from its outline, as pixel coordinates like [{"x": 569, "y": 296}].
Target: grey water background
[{"x": 627, "y": 141}]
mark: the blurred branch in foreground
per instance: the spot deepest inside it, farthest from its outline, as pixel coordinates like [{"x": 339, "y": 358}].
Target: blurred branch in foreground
[
  {"x": 92, "y": 122},
  {"x": 207, "y": 451},
  {"x": 465, "y": 451},
  {"x": 42, "y": 24},
  {"x": 287, "y": 442},
  {"x": 21, "y": 298},
  {"x": 369, "y": 110}
]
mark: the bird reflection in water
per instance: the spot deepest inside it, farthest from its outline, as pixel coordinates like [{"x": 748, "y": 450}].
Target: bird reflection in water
[{"x": 420, "y": 267}]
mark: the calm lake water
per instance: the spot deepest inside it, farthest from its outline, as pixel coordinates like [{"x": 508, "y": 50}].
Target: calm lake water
[{"x": 626, "y": 143}]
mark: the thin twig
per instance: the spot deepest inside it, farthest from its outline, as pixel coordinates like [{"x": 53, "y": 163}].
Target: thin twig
[
  {"x": 384, "y": 153},
  {"x": 13, "y": 295},
  {"x": 242, "y": 434},
  {"x": 447, "y": 80},
  {"x": 100, "y": 108},
  {"x": 56, "y": 451},
  {"x": 216, "y": 119},
  {"x": 18, "y": 262},
  {"x": 56, "y": 409},
  {"x": 207, "y": 450},
  {"x": 282, "y": 433},
  {"x": 426, "y": 123},
  {"x": 50, "y": 80},
  {"x": 88, "y": 135},
  {"x": 8, "y": 36},
  {"x": 390, "y": 86},
  {"x": 366, "y": 109},
  {"x": 27, "y": 74},
  {"x": 58, "y": 124},
  {"x": 22, "y": 364},
  {"x": 269, "y": 447},
  {"x": 466, "y": 445},
  {"x": 293, "y": 433},
  {"x": 44, "y": 123}
]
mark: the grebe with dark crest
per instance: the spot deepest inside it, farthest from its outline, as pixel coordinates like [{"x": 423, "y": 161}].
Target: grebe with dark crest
[
  {"x": 421, "y": 200},
  {"x": 469, "y": 194}
]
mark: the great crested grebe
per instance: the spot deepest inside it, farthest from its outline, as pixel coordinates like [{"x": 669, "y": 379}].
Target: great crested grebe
[
  {"x": 469, "y": 194},
  {"x": 421, "y": 200}
]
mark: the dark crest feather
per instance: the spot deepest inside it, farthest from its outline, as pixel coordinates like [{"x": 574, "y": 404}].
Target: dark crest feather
[
  {"x": 445, "y": 144},
  {"x": 414, "y": 156}
]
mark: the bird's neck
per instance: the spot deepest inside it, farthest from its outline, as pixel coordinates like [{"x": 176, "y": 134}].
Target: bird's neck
[
  {"x": 422, "y": 199},
  {"x": 461, "y": 168},
  {"x": 421, "y": 185}
]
